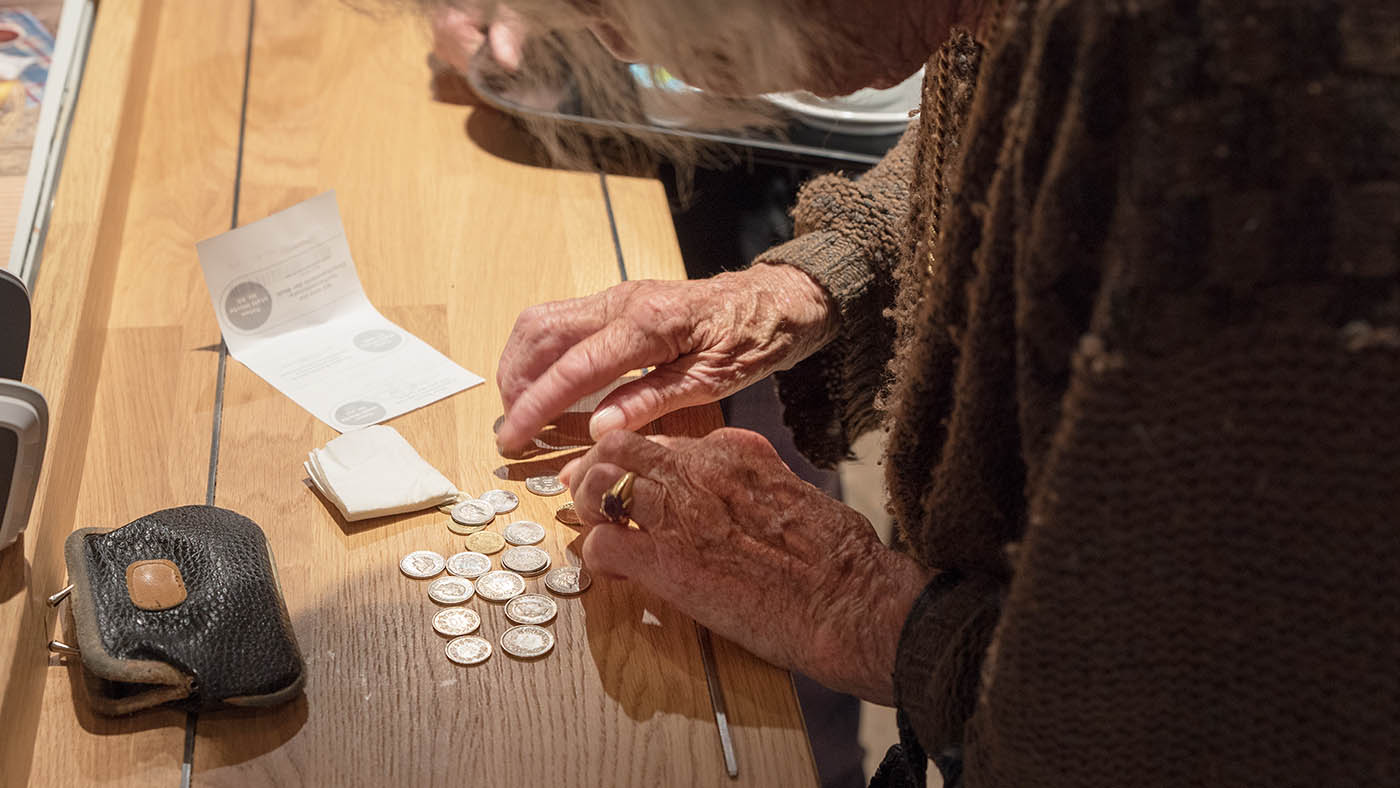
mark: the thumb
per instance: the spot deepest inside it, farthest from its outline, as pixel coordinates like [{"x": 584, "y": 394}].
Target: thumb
[
  {"x": 634, "y": 405},
  {"x": 618, "y": 550}
]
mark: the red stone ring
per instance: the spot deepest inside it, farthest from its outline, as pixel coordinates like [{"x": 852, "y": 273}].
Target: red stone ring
[{"x": 617, "y": 502}]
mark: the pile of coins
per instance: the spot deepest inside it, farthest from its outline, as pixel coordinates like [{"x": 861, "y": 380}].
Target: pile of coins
[{"x": 469, "y": 573}]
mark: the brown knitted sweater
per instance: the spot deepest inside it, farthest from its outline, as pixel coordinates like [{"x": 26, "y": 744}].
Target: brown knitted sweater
[{"x": 1128, "y": 304}]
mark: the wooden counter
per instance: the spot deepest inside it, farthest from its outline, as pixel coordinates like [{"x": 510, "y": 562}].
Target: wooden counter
[{"x": 453, "y": 231}]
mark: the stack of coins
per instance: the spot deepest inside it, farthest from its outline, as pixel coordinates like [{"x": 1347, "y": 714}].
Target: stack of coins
[{"x": 470, "y": 575}]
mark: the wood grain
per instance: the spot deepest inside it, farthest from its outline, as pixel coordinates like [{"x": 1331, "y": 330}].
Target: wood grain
[
  {"x": 453, "y": 234},
  {"x": 118, "y": 338},
  {"x": 762, "y": 703},
  {"x": 454, "y": 231}
]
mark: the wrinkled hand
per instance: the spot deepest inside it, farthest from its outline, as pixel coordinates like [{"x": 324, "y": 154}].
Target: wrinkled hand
[
  {"x": 728, "y": 534},
  {"x": 705, "y": 340},
  {"x": 458, "y": 33}
]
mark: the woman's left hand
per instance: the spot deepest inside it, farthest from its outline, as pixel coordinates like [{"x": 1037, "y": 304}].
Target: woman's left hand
[{"x": 730, "y": 535}]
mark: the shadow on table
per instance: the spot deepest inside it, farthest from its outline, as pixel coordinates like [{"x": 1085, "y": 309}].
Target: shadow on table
[
  {"x": 260, "y": 732},
  {"x": 13, "y": 569},
  {"x": 647, "y": 655},
  {"x": 269, "y": 728},
  {"x": 358, "y": 526}
]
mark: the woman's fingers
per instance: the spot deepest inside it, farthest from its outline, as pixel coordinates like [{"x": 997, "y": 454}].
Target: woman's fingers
[
  {"x": 507, "y": 37},
  {"x": 456, "y": 36},
  {"x": 620, "y": 551},
  {"x": 665, "y": 389},
  {"x": 599, "y": 469},
  {"x": 595, "y": 361},
  {"x": 648, "y": 496},
  {"x": 566, "y": 474},
  {"x": 541, "y": 335},
  {"x": 459, "y": 32}
]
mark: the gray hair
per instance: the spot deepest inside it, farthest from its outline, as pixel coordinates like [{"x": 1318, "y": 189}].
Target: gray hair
[{"x": 746, "y": 46}]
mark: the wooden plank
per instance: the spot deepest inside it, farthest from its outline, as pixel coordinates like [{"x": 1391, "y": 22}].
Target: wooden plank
[
  {"x": 453, "y": 233},
  {"x": 121, "y": 348},
  {"x": 762, "y": 705}
]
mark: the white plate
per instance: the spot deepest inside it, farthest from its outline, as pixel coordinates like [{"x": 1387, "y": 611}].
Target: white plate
[{"x": 866, "y": 112}]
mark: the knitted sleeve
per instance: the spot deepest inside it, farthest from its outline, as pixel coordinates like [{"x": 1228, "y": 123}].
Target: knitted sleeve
[
  {"x": 1197, "y": 206},
  {"x": 848, "y": 238}
]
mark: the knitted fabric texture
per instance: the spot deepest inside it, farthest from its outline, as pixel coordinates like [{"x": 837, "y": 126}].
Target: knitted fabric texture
[{"x": 1143, "y": 390}]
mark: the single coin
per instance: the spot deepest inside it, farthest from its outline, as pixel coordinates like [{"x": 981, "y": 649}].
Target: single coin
[
  {"x": 422, "y": 563},
  {"x": 469, "y": 650},
  {"x": 544, "y": 485},
  {"x": 526, "y": 560},
  {"x": 524, "y": 532},
  {"x": 568, "y": 580},
  {"x": 463, "y": 530},
  {"x": 474, "y": 512},
  {"x": 568, "y": 515},
  {"x": 469, "y": 564},
  {"x": 450, "y": 590},
  {"x": 531, "y": 609},
  {"x": 498, "y": 586},
  {"x": 502, "y": 500},
  {"x": 456, "y": 621},
  {"x": 487, "y": 542},
  {"x": 527, "y": 641}
]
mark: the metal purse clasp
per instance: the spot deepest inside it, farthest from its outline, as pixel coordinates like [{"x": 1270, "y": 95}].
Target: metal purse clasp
[{"x": 58, "y": 646}]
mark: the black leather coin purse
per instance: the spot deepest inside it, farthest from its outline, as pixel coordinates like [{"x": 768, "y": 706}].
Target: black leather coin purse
[{"x": 180, "y": 607}]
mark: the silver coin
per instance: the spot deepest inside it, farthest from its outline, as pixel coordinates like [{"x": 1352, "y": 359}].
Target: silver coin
[
  {"x": 544, "y": 485},
  {"x": 455, "y": 621},
  {"x": 498, "y": 586},
  {"x": 531, "y": 609},
  {"x": 527, "y": 641},
  {"x": 422, "y": 563},
  {"x": 469, "y": 650},
  {"x": 523, "y": 532},
  {"x": 568, "y": 580},
  {"x": 463, "y": 530},
  {"x": 450, "y": 590},
  {"x": 526, "y": 560},
  {"x": 502, "y": 500},
  {"x": 469, "y": 564},
  {"x": 474, "y": 512}
]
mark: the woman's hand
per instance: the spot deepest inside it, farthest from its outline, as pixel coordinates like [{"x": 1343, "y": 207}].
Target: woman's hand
[
  {"x": 458, "y": 33},
  {"x": 728, "y": 534},
  {"x": 705, "y": 339}
]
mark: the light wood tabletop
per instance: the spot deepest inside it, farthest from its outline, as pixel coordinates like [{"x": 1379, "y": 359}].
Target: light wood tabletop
[{"x": 197, "y": 117}]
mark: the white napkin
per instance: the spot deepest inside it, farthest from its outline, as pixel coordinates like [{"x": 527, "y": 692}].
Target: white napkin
[{"x": 374, "y": 472}]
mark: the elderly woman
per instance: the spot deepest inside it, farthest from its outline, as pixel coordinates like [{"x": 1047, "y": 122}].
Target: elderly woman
[{"x": 1126, "y": 300}]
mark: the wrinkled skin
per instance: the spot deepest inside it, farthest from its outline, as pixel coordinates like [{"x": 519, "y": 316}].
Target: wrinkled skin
[
  {"x": 727, "y": 533},
  {"x": 704, "y": 340}
]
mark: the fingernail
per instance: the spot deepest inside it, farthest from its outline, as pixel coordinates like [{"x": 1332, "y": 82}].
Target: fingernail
[{"x": 605, "y": 421}]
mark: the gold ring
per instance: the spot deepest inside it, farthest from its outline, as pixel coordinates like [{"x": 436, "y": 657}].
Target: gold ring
[{"x": 617, "y": 501}]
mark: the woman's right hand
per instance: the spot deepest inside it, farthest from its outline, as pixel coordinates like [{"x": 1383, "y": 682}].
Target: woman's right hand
[
  {"x": 704, "y": 339},
  {"x": 458, "y": 33}
]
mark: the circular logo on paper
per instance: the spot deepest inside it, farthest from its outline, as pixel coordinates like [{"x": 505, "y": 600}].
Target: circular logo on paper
[
  {"x": 248, "y": 305},
  {"x": 377, "y": 340},
  {"x": 359, "y": 413}
]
